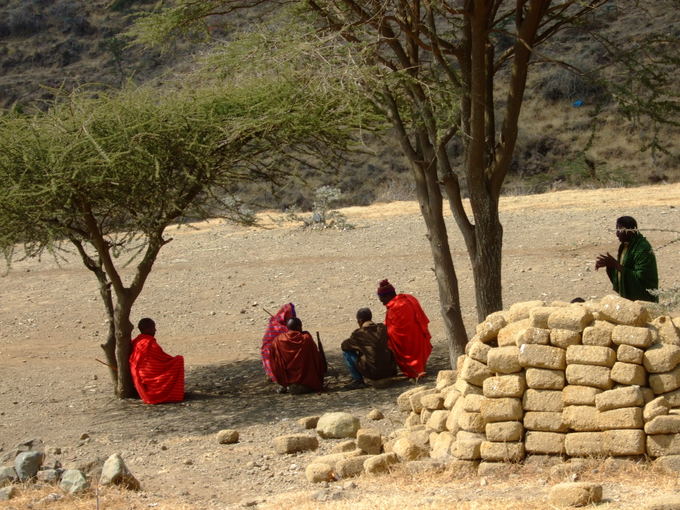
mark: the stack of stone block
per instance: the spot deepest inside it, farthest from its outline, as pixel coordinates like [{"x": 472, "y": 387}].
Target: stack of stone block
[{"x": 600, "y": 378}]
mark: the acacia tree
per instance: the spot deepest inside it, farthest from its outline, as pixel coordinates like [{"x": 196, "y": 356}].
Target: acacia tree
[
  {"x": 444, "y": 70},
  {"x": 108, "y": 172}
]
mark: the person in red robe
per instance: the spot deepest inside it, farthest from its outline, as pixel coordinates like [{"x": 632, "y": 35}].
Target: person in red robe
[
  {"x": 296, "y": 362},
  {"x": 408, "y": 336},
  {"x": 275, "y": 326},
  {"x": 158, "y": 377}
]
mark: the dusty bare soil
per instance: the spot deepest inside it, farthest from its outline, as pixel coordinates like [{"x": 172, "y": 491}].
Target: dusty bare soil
[{"x": 208, "y": 292}]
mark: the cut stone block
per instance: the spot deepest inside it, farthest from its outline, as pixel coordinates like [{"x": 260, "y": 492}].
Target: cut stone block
[
  {"x": 629, "y": 373},
  {"x": 424, "y": 416},
  {"x": 584, "y": 444},
  {"x": 542, "y": 400},
  {"x": 370, "y": 441},
  {"x": 672, "y": 397},
  {"x": 542, "y": 356},
  {"x": 581, "y": 418},
  {"x": 354, "y": 466},
  {"x": 657, "y": 407},
  {"x": 345, "y": 446},
  {"x": 629, "y": 354},
  {"x": 502, "y": 452},
  {"x": 380, "y": 463},
  {"x": 416, "y": 399},
  {"x": 661, "y": 358},
  {"x": 504, "y": 360},
  {"x": 407, "y": 450},
  {"x": 488, "y": 330},
  {"x": 663, "y": 502},
  {"x": 465, "y": 388},
  {"x": 504, "y": 386},
  {"x": 454, "y": 416},
  {"x": 520, "y": 311},
  {"x": 628, "y": 396},
  {"x": 591, "y": 355},
  {"x": 473, "y": 403},
  {"x": 471, "y": 422},
  {"x": 467, "y": 447},
  {"x": 317, "y": 473},
  {"x": 632, "y": 335},
  {"x": 504, "y": 431},
  {"x": 533, "y": 336},
  {"x": 668, "y": 424},
  {"x": 544, "y": 379},
  {"x": 544, "y": 421},
  {"x": 574, "y": 395},
  {"x": 445, "y": 378},
  {"x": 622, "y": 311},
  {"x": 295, "y": 443},
  {"x": 436, "y": 421},
  {"x": 538, "y": 317},
  {"x": 563, "y": 338},
  {"x": 450, "y": 398},
  {"x": 594, "y": 335},
  {"x": 403, "y": 401},
  {"x": 661, "y": 445},
  {"x": 509, "y": 334},
  {"x": 433, "y": 401},
  {"x": 667, "y": 331},
  {"x": 575, "y": 494},
  {"x": 589, "y": 375},
  {"x": 474, "y": 372},
  {"x": 544, "y": 442},
  {"x": 648, "y": 394},
  {"x": 625, "y": 418},
  {"x": 663, "y": 383},
  {"x": 625, "y": 442},
  {"x": 574, "y": 318},
  {"x": 501, "y": 409},
  {"x": 333, "y": 459},
  {"x": 478, "y": 351}
]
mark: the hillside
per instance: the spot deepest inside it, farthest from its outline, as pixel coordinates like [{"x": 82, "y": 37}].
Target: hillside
[{"x": 48, "y": 44}]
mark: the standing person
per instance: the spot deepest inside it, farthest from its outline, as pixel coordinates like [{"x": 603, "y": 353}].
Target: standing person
[
  {"x": 276, "y": 326},
  {"x": 158, "y": 377},
  {"x": 633, "y": 273},
  {"x": 366, "y": 352},
  {"x": 296, "y": 362},
  {"x": 408, "y": 336}
]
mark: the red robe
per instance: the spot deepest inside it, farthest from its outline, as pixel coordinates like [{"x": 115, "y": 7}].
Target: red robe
[
  {"x": 295, "y": 359},
  {"x": 158, "y": 376},
  {"x": 409, "y": 338}
]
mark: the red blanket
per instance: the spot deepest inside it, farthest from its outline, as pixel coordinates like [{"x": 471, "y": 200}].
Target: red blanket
[
  {"x": 276, "y": 326},
  {"x": 409, "y": 338},
  {"x": 296, "y": 360},
  {"x": 158, "y": 376}
]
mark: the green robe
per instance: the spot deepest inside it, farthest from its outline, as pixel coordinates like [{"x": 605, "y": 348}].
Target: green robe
[{"x": 639, "y": 271}]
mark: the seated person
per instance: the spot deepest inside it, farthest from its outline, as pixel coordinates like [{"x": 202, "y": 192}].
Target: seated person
[
  {"x": 275, "y": 326},
  {"x": 296, "y": 362},
  {"x": 158, "y": 377},
  {"x": 366, "y": 352}
]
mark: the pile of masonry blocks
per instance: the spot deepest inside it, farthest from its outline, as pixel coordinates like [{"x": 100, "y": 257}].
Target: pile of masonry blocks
[{"x": 600, "y": 378}]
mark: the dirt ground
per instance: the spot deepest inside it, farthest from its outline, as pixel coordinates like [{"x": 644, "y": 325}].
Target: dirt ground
[{"x": 208, "y": 293}]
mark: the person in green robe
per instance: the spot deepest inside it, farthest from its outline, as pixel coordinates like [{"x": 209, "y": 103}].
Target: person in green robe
[{"x": 633, "y": 273}]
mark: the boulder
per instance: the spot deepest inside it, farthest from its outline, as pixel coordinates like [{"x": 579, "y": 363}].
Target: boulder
[
  {"x": 333, "y": 459},
  {"x": 231, "y": 436},
  {"x": 27, "y": 464},
  {"x": 294, "y": 443},
  {"x": 318, "y": 472},
  {"x": 73, "y": 481},
  {"x": 337, "y": 426},
  {"x": 115, "y": 472},
  {"x": 505, "y": 386},
  {"x": 575, "y": 494},
  {"x": 544, "y": 379},
  {"x": 538, "y": 317}
]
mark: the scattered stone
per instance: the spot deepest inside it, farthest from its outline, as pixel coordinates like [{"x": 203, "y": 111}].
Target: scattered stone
[
  {"x": 493, "y": 469},
  {"x": 308, "y": 422},
  {"x": 73, "y": 481},
  {"x": 345, "y": 446},
  {"x": 227, "y": 436},
  {"x": 7, "y": 476},
  {"x": 374, "y": 414},
  {"x": 294, "y": 443},
  {"x": 380, "y": 463},
  {"x": 353, "y": 466},
  {"x": 27, "y": 464},
  {"x": 7, "y": 493},
  {"x": 575, "y": 494},
  {"x": 48, "y": 475},
  {"x": 337, "y": 425},
  {"x": 369, "y": 441},
  {"x": 670, "y": 464},
  {"x": 663, "y": 503},
  {"x": 115, "y": 472}
]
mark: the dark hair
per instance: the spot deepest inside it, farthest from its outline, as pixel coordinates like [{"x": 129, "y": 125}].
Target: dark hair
[
  {"x": 364, "y": 314},
  {"x": 294, "y": 323},
  {"x": 627, "y": 222},
  {"x": 145, "y": 323},
  {"x": 578, "y": 300}
]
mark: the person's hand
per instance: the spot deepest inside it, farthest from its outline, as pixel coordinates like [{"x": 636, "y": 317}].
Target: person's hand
[{"x": 606, "y": 260}]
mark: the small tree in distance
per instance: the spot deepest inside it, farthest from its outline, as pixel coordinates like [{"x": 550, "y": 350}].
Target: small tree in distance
[{"x": 109, "y": 172}]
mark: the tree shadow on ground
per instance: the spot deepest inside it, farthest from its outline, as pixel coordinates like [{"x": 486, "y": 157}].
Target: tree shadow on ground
[{"x": 237, "y": 395}]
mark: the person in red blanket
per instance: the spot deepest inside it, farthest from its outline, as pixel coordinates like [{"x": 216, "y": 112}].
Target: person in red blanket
[
  {"x": 408, "y": 336},
  {"x": 275, "y": 326},
  {"x": 158, "y": 376},
  {"x": 296, "y": 362}
]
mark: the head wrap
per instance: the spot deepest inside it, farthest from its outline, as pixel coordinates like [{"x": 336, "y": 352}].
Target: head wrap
[{"x": 385, "y": 288}]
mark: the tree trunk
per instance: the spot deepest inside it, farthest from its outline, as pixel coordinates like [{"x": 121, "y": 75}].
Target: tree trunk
[
  {"x": 123, "y": 331},
  {"x": 486, "y": 265}
]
